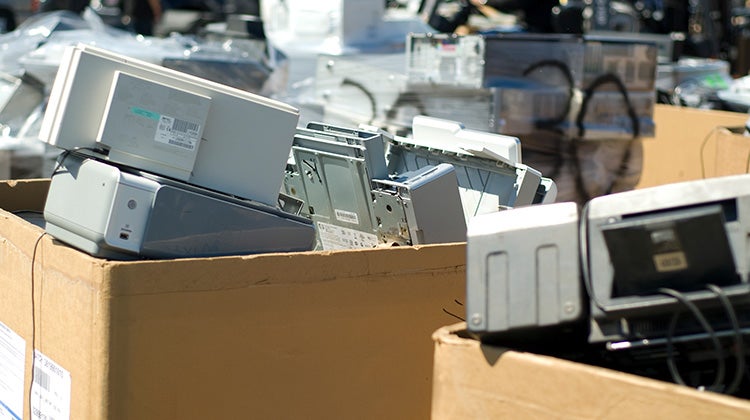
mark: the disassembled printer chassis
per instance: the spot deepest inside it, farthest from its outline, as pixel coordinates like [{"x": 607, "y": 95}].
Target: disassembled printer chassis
[{"x": 365, "y": 188}]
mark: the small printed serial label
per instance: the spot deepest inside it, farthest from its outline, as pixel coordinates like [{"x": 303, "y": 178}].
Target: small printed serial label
[
  {"x": 176, "y": 132},
  {"x": 336, "y": 237},
  {"x": 50, "y": 390},
  {"x": 346, "y": 216},
  {"x": 670, "y": 261}
]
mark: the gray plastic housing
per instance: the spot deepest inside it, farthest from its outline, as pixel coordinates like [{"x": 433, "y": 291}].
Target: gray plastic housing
[
  {"x": 238, "y": 126},
  {"x": 522, "y": 269},
  {"x": 487, "y": 184},
  {"x": 608, "y": 312},
  {"x": 332, "y": 173},
  {"x": 423, "y": 205},
  {"x": 107, "y": 212}
]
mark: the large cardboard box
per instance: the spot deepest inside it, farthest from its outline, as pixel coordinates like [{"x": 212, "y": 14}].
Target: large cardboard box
[
  {"x": 315, "y": 335},
  {"x": 475, "y": 381},
  {"x": 682, "y": 149}
]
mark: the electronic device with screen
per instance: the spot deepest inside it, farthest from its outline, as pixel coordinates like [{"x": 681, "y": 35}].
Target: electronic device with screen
[
  {"x": 118, "y": 213},
  {"x": 169, "y": 123},
  {"x": 682, "y": 237},
  {"x": 626, "y": 267}
]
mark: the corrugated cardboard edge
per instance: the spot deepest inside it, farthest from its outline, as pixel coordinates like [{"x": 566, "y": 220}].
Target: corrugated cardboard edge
[
  {"x": 326, "y": 265},
  {"x": 732, "y": 151},
  {"x": 24, "y": 244},
  {"x": 198, "y": 275},
  {"x": 471, "y": 380},
  {"x": 28, "y": 194},
  {"x": 677, "y": 152}
]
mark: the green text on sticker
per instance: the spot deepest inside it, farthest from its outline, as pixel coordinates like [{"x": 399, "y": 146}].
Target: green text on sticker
[{"x": 145, "y": 113}]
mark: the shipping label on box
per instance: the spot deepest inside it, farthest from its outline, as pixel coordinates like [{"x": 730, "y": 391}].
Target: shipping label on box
[
  {"x": 12, "y": 354},
  {"x": 50, "y": 389}
]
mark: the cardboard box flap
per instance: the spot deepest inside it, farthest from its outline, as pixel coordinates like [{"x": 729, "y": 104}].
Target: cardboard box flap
[
  {"x": 476, "y": 381},
  {"x": 732, "y": 151},
  {"x": 34, "y": 243},
  {"x": 678, "y": 152},
  {"x": 29, "y": 194},
  {"x": 197, "y": 274}
]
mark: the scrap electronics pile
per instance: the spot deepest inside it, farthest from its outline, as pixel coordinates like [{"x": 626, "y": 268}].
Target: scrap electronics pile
[
  {"x": 172, "y": 165},
  {"x": 423, "y": 146},
  {"x": 579, "y": 104},
  {"x": 654, "y": 280}
]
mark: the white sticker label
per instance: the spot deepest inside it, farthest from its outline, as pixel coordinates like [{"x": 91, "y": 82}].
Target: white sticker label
[
  {"x": 50, "y": 391},
  {"x": 12, "y": 355},
  {"x": 346, "y": 216},
  {"x": 177, "y": 132},
  {"x": 337, "y": 237}
]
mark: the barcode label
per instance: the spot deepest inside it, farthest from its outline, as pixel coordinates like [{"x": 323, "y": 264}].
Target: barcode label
[
  {"x": 176, "y": 132},
  {"x": 184, "y": 126},
  {"x": 41, "y": 378},
  {"x": 182, "y": 144},
  {"x": 50, "y": 389},
  {"x": 346, "y": 216}
]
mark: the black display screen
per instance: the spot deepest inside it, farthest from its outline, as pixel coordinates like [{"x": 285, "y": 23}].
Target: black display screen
[{"x": 681, "y": 249}]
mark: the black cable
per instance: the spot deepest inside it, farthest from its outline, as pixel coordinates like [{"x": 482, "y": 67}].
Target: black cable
[
  {"x": 589, "y": 93},
  {"x": 721, "y": 368},
  {"x": 64, "y": 155},
  {"x": 314, "y": 168},
  {"x": 373, "y": 103},
  {"x": 406, "y": 99},
  {"x": 578, "y": 171},
  {"x": 454, "y": 315},
  {"x": 625, "y": 161},
  {"x": 33, "y": 319},
  {"x": 565, "y": 70},
  {"x": 703, "y": 149},
  {"x": 553, "y": 124},
  {"x": 738, "y": 339}
]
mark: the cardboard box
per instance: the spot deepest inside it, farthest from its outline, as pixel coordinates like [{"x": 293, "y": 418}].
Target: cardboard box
[
  {"x": 313, "y": 335},
  {"x": 679, "y": 150},
  {"x": 732, "y": 151},
  {"x": 475, "y": 381}
]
